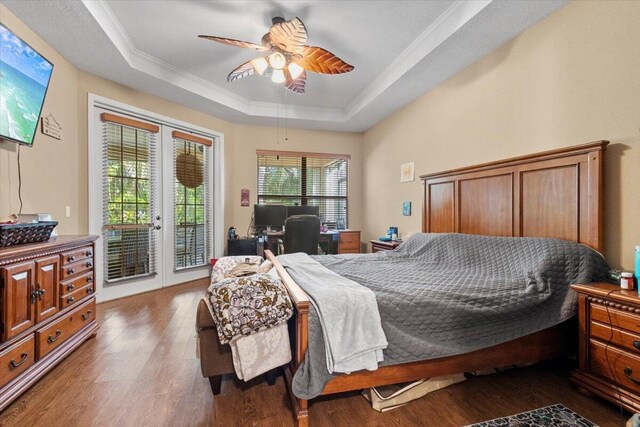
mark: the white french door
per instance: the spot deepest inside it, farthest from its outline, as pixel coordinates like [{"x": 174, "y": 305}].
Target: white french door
[{"x": 152, "y": 199}]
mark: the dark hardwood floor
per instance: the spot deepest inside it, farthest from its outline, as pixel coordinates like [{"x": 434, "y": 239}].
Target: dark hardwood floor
[{"x": 141, "y": 370}]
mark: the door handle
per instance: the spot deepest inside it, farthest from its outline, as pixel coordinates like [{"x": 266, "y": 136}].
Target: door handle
[{"x": 158, "y": 227}]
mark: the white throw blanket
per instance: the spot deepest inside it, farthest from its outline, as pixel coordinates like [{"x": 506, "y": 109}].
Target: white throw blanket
[
  {"x": 259, "y": 353},
  {"x": 348, "y": 313}
]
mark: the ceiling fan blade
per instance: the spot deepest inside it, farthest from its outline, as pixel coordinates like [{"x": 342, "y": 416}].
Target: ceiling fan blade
[
  {"x": 234, "y": 42},
  {"x": 320, "y": 60},
  {"x": 290, "y": 36},
  {"x": 296, "y": 85},
  {"x": 244, "y": 70}
]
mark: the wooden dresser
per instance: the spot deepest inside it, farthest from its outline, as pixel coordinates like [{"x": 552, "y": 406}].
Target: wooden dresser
[
  {"x": 47, "y": 308},
  {"x": 349, "y": 242},
  {"x": 609, "y": 346}
]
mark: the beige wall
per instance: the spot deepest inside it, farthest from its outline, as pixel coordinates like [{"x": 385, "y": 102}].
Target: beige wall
[
  {"x": 43, "y": 188},
  {"x": 571, "y": 79},
  {"x": 55, "y": 172}
]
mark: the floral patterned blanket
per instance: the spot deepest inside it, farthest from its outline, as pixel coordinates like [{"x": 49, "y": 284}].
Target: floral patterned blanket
[{"x": 250, "y": 304}]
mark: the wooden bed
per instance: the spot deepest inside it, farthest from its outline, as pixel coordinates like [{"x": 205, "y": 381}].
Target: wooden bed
[{"x": 556, "y": 193}]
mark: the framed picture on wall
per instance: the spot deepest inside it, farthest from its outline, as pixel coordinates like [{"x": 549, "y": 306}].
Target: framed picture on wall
[
  {"x": 407, "y": 172},
  {"x": 406, "y": 208}
]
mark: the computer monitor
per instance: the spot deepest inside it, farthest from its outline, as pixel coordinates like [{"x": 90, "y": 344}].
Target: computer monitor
[
  {"x": 269, "y": 215},
  {"x": 303, "y": 210}
]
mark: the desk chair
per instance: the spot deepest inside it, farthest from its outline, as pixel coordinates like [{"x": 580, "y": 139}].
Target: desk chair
[{"x": 301, "y": 234}]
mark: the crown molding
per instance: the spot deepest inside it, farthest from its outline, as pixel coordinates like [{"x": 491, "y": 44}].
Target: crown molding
[
  {"x": 454, "y": 18},
  {"x": 447, "y": 24}
]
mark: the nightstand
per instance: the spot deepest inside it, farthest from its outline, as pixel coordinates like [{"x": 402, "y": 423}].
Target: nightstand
[
  {"x": 609, "y": 343},
  {"x": 379, "y": 245}
]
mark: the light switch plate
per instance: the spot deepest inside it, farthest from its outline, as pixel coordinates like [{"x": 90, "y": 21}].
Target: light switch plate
[{"x": 67, "y": 211}]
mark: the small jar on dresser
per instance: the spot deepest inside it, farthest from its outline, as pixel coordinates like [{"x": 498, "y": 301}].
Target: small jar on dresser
[{"x": 609, "y": 343}]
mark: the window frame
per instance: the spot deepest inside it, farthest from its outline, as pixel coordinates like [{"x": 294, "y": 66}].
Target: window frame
[{"x": 302, "y": 194}]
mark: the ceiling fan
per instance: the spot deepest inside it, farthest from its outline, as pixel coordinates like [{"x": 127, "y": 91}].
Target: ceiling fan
[{"x": 288, "y": 56}]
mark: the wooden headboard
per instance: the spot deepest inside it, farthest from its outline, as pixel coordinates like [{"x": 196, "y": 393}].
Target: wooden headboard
[{"x": 558, "y": 193}]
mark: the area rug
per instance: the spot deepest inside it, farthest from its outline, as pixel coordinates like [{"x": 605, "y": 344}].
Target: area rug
[{"x": 553, "y": 416}]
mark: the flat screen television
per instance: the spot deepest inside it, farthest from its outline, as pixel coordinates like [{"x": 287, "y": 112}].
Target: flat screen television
[{"x": 24, "y": 80}]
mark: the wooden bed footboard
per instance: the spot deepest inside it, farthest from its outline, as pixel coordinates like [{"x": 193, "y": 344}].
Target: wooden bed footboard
[{"x": 299, "y": 329}]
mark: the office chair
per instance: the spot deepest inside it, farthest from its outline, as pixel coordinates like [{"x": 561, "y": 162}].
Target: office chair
[{"x": 301, "y": 234}]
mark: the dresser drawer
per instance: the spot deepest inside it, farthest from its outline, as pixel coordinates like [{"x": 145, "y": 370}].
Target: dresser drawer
[
  {"x": 54, "y": 334},
  {"x": 76, "y": 255},
  {"x": 615, "y": 365},
  {"x": 16, "y": 359},
  {"x": 614, "y": 317},
  {"x": 76, "y": 283},
  {"x": 77, "y": 267},
  {"x": 620, "y": 338},
  {"x": 349, "y": 241},
  {"x": 76, "y": 296}
]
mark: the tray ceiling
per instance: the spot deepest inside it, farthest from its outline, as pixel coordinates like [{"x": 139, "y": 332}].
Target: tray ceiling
[{"x": 400, "y": 50}]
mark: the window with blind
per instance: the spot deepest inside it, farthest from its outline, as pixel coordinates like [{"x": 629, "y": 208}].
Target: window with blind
[
  {"x": 128, "y": 206},
  {"x": 306, "y": 179},
  {"x": 192, "y": 194}
]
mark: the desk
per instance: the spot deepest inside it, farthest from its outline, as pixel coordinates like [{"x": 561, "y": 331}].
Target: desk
[
  {"x": 331, "y": 242},
  {"x": 379, "y": 245}
]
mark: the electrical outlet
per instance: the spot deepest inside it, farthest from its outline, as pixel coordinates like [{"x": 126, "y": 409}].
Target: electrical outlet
[{"x": 67, "y": 211}]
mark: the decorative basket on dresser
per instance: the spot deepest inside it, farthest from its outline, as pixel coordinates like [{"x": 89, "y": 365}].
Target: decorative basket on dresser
[
  {"x": 47, "y": 308},
  {"x": 609, "y": 346}
]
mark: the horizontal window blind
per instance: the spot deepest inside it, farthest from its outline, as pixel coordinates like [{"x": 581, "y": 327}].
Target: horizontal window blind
[
  {"x": 128, "y": 204},
  {"x": 192, "y": 193},
  {"x": 308, "y": 179}
]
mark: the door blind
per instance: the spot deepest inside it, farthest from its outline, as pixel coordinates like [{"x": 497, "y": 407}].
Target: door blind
[
  {"x": 308, "y": 179},
  {"x": 129, "y": 176},
  {"x": 192, "y": 197}
]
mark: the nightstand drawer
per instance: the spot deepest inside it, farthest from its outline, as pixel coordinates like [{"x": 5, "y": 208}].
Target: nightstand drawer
[
  {"x": 618, "y": 318},
  {"x": 350, "y": 241},
  {"x": 620, "y": 338},
  {"x": 616, "y": 366}
]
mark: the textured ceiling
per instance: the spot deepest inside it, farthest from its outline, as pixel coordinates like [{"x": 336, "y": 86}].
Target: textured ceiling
[{"x": 400, "y": 50}]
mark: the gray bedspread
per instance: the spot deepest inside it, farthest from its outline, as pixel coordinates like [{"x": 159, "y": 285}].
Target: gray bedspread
[{"x": 445, "y": 294}]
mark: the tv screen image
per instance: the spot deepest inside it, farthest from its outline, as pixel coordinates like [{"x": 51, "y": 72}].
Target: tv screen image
[{"x": 24, "y": 79}]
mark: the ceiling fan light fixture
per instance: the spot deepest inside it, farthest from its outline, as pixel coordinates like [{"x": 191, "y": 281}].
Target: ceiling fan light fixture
[
  {"x": 260, "y": 64},
  {"x": 277, "y": 60},
  {"x": 295, "y": 70},
  {"x": 278, "y": 76}
]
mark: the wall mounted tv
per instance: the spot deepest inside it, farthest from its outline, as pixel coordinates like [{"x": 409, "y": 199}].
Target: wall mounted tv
[{"x": 24, "y": 79}]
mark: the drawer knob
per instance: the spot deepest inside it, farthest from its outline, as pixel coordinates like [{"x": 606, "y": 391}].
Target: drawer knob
[
  {"x": 23, "y": 358},
  {"x": 86, "y": 315},
  {"x": 70, "y": 271},
  {"x": 71, "y": 258},
  {"x": 54, "y": 338},
  {"x": 89, "y": 279},
  {"x": 89, "y": 265},
  {"x": 89, "y": 290},
  {"x": 88, "y": 253},
  {"x": 70, "y": 300},
  {"x": 70, "y": 287},
  {"x": 636, "y": 344}
]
